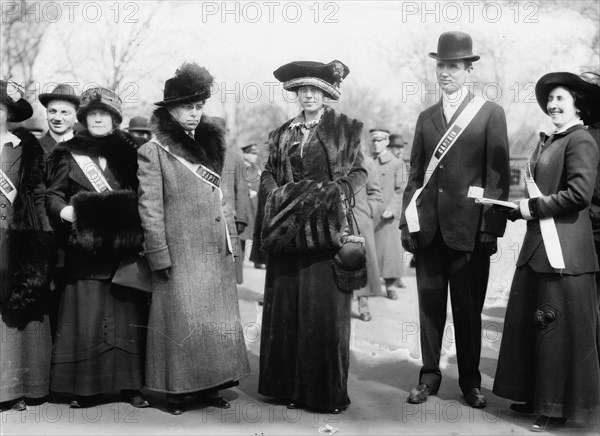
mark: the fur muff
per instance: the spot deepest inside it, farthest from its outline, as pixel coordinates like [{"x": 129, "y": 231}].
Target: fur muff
[
  {"x": 32, "y": 256},
  {"x": 107, "y": 223},
  {"x": 304, "y": 216},
  {"x": 207, "y": 148}
]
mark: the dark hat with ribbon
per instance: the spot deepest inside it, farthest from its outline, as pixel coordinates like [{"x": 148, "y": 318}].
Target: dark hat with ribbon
[
  {"x": 139, "y": 124},
  {"x": 190, "y": 83},
  {"x": 455, "y": 46},
  {"x": 99, "y": 98},
  {"x": 11, "y": 95},
  {"x": 62, "y": 91},
  {"x": 586, "y": 86},
  {"x": 326, "y": 77},
  {"x": 396, "y": 140}
]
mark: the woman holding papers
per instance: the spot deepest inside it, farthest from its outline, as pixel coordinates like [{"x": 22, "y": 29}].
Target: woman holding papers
[
  {"x": 25, "y": 252},
  {"x": 548, "y": 356},
  {"x": 92, "y": 204}
]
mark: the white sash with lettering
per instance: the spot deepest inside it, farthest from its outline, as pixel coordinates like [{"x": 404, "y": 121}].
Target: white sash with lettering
[
  {"x": 442, "y": 147},
  {"x": 92, "y": 172},
  {"x": 6, "y": 186},
  {"x": 207, "y": 176},
  {"x": 548, "y": 229}
]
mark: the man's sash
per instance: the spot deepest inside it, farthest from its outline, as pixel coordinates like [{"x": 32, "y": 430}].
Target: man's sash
[
  {"x": 547, "y": 227},
  {"x": 92, "y": 172},
  {"x": 6, "y": 186},
  {"x": 443, "y": 146}
]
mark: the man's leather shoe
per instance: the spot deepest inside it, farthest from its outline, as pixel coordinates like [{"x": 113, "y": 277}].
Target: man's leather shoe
[
  {"x": 522, "y": 408},
  {"x": 475, "y": 398},
  {"x": 546, "y": 423},
  {"x": 365, "y": 316},
  {"x": 392, "y": 295},
  {"x": 420, "y": 394},
  {"x": 135, "y": 398}
]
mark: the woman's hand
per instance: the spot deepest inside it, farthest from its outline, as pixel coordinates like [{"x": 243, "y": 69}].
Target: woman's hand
[{"x": 67, "y": 213}]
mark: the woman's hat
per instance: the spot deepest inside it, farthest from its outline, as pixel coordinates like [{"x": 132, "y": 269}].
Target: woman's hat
[
  {"x": 250, "y": 148},
  {"x": 99, "y": 98},
  {"x": 11, "y": 95},
  {"x": 572, "y": 81},
  {"x": 139, "y": 124},
  {"x": 190, "y": 83},
  {"x": 62, "y": 91},
  {"x": 326, "y": 77},
  {"x": 455, "y": 46}
]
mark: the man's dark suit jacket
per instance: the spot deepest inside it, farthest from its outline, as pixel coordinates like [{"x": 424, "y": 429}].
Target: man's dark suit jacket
[{"x": 478, "y": 158}]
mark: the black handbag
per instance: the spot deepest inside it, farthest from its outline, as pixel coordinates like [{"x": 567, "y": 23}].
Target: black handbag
[
  {"x": 134, "y": 273},
  {"x": 350, "y": 262}
]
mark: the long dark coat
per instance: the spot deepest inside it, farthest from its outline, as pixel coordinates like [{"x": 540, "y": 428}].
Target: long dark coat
[
  {"x": 195, "y": 338},
  {"x": 304, "y": 353},
  {"x": 26, "y": 256},
  {"x": 549, "y": 351},
  {"x": 101, "y": 327},
  {"x": 369, "y": 204}
]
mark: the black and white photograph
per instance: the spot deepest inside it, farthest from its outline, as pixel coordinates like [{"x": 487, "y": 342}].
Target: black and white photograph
[{"x": 300, "y": 217}]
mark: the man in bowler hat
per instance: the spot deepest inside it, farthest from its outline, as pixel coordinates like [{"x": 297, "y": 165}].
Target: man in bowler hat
[
  {"x": 456, "y": 236},
  {"x": 61, "y": 112}
]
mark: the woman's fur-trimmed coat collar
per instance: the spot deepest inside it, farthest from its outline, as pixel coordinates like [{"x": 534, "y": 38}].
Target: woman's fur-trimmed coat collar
[{"x": 207, "y": 149}]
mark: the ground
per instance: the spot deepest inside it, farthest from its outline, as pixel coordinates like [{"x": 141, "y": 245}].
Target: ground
[{"x": 384, "y": 367}]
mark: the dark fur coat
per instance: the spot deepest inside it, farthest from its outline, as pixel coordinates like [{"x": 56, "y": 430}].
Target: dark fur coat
[
  {"x": 107, "y": 224},
  {"x": 208, "y": 149},
  {"x": 31, "y": 244}
]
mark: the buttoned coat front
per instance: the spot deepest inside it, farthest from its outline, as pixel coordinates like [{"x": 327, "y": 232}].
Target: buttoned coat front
[
  {"x": 195, "y": 339},
  {"x": 478, "y": 158},
  {"x": 392, "y": 173},
  {"x": 565, "y": 171}
]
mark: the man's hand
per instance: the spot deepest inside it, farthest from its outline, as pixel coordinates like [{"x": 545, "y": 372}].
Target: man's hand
[
  {"x": 164, "y": 274},
  {"x": 387, "y": 215},
  {"x": 409, "y": 241},
  {"x": 486, "y": 243}
]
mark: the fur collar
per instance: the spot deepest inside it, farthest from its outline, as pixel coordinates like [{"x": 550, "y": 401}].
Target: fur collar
[
  {"x": 207, "y": 149},
  {"x": 118, "y": 148}
]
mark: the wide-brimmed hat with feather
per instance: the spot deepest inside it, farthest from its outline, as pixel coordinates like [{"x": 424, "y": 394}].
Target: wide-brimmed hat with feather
[{"x": 190, "y": 83}]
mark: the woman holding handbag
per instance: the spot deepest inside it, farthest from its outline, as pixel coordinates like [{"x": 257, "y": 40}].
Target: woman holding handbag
[
  {"x": 549, "y": 352},
  {"x": 314, "y": 164},
  {"x": 92, "y": 203}
]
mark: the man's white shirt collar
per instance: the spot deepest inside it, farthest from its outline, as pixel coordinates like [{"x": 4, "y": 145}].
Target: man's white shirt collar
[
  {"x": 62, "y": 138},
  {"x": 451, "y": 102},
  {"x": 569, "y": 125}
]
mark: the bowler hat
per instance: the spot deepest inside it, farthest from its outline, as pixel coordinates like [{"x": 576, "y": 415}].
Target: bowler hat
[
  {"x": 190, "y": 83},
  {"x": 62, "y": 91},
  {"x": 396, "y": 140},
  {"x": 454, "y": 46},
  {"x": 99, "y": 98},
  {"x": 139, "y": 124},
  {"x": 326, "y": 77},
  {"x": 569, "y": 80},
  {"x": 250, "y": 148},
  {"x": 19, "y": 109}
]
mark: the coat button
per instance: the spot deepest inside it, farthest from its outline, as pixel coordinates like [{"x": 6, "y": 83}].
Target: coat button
[
  {"x": 3, "y": 217},
  {"x": 3, "y": 205},
  {"x": 218, "y": 218},
  {"x": 441, "y": 166},
  {"x": 440, "y": 190}
]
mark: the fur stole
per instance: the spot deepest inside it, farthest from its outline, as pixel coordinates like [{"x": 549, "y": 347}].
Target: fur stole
[
  {"x": 119, "y": 149},
  {"x": 207, "y": 149},
  {"x": 304, "y": 216}
]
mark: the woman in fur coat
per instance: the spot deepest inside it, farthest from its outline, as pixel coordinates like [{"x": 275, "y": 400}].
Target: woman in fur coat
[
  {"x": 92, "y": 204},
  {"x": 25, "y": 257},
  {"x": 196, "y": 344},
  {"x": 313, "y": 159}
]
